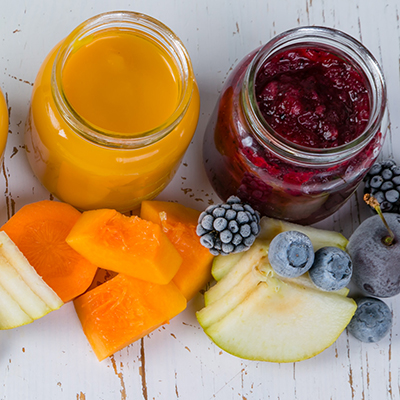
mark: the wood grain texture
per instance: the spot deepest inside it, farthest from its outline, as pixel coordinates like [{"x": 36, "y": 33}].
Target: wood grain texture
[{"x": 51, "y": 358}]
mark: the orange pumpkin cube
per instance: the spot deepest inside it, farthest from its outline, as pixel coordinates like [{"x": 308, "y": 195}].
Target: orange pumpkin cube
[
  {"x": 123, "y": 310},
  {"x": 179, "y": 224},
  {"x": 123, "y": 244}
]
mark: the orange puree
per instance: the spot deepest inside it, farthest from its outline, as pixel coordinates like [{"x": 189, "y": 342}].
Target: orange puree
[
  {"x": 122, "y": 84},
  {"x": 3, "y": 124}
]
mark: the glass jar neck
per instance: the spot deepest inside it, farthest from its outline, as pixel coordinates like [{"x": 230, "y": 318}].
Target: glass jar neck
[
  {"x": 341, "y": 45},
  {"x": 126, "y": 22}
]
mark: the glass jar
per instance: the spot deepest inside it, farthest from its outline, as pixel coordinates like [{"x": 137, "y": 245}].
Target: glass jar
[
  {"x": 114, "y": 108},
  {"x": 284, "y": 174},
  {"x": 3, "y": 125}
]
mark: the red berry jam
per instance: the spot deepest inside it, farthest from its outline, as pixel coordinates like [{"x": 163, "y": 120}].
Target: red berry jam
[
  {"x": 312, "y": 98},
  {"x": 292, "y": 133}
]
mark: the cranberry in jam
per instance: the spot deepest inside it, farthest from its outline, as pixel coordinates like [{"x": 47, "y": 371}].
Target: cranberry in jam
[
  {"x": 297, "y": 125},
  {"x": 312, "y": 98}
]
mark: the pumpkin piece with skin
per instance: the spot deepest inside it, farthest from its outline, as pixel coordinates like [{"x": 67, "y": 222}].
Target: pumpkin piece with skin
[
  {"x": 128, "y": 245},
  {"x": 123, "y": 310},
  {"x": 39, "y": 231},
  {"x": 179, "y": 224}
]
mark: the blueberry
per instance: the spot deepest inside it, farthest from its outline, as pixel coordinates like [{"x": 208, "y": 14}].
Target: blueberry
[
  {"x": 332, "y": 269},
  {"x": 371, "y": 321},
  {"x": 291, "y": 254}
]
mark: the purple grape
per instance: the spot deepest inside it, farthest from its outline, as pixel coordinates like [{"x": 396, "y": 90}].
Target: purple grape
[{"x": 376, "y": 266}]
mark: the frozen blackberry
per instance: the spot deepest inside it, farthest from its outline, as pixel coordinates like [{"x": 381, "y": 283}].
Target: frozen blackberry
[
  {"x": 229, "y": 227},
  {"x": 383, "y": 182}
]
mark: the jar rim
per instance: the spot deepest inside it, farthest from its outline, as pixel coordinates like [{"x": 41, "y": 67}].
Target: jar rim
[
  {"x": 336, "y": 41},
  {"x": 153, "y": 30}
]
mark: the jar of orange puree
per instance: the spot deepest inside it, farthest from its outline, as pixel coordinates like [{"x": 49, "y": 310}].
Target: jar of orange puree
[
  {"x": 3, "y": 125},
  {"x": 113, "y": 110}
]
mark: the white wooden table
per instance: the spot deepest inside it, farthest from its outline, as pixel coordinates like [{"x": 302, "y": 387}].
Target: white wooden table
[{"x": 51, "y": 358}]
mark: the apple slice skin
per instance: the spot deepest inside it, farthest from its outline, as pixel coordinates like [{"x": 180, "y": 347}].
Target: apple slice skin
[
  {"x": 11, "y": 314},
  {"x": 270, "y": 227},
  {"x": 280, "y": 322}
]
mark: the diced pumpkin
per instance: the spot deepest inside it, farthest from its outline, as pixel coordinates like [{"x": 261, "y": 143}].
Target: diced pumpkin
[
  {"x": 179, "y": 224},
  {"x": 123, "y": 310},
  {"x": 39, "y": 230},
  {"x": 123, "y": 244}
]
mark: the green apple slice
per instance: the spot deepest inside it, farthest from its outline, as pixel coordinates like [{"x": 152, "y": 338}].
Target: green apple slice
[
  {"x": 224, "y": 302},
  {"x": 282, "y": 322},
  {"x": 220, "y": 307},
  {"x": 222, "y": 264},
  {"x": 249, "y": 260},
  {"x": 305, "y": 281},
  {"x": 256, "y": 258},
  {"x": 270, "y": 227},
  {"x": 19, "y": 290},
  {"x": 28, "y": 274},
  {"x": 11, "y": 314}
]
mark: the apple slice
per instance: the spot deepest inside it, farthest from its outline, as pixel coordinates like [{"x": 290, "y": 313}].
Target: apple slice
[
  {"x": 270, "y": 227},
  {"x": 20, "y": 291},
  {"x": 256, "y": 258},
  {"x": 24, "y": 296},
  {"x": 280, "y": 321},
  {"x": 28, "y": 274},
  {"x": 11, "y": 314},
  {"x": 255, "y": 314},
  {"x": 223, "y": 263},
  {"x": 249, "y": 260}
]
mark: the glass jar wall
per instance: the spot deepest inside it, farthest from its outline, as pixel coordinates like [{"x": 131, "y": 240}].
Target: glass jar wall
[
  {"x": 298, "y": 124},
  {"x": 113, "y": 110}
]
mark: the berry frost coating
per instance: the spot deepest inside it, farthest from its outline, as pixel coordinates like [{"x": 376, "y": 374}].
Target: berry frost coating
[
  {"x": 383, "y": 182},
  {"x": 227, "y": 228},
  {"x": 371, "y": 321},
  {"x": 332, "y": 269},
  {"x": 291, "y": 254},
  {"x": 376, "y": 266}
]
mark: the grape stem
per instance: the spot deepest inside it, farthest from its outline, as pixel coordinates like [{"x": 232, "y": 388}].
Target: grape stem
[{"x": 374, "y": 203}]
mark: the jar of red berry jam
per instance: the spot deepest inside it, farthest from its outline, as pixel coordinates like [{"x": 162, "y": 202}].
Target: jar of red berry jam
[{"x": 299, "y": 123}]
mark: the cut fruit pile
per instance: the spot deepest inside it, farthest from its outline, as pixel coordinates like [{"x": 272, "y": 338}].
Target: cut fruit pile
[
  {"x": 255, "y": 314},
  {"x": 149, "y": 268},
  {"x": 129, "y": 275}
]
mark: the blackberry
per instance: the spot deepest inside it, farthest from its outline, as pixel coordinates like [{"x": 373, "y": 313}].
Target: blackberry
[
  {"x": 383, "y": 182},
  {"x": 229, "y": 227}
]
